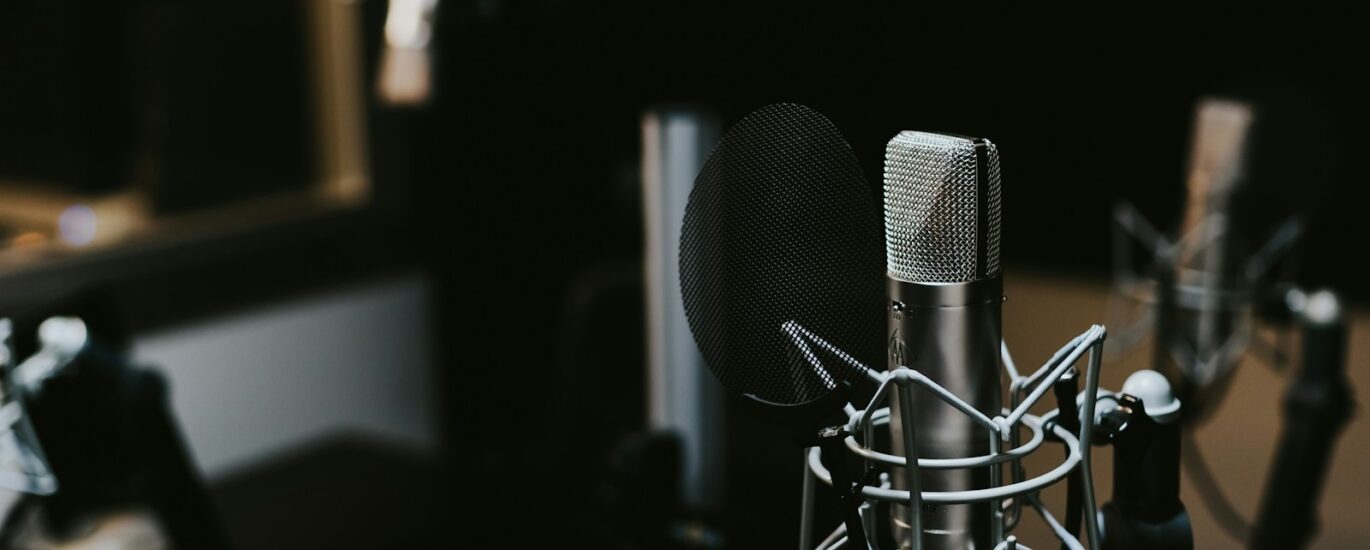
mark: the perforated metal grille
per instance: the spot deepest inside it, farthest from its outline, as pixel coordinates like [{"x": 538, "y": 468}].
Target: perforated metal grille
[
  {"x": 782, "y": 244},
  {"x": 932, "y": 207}
]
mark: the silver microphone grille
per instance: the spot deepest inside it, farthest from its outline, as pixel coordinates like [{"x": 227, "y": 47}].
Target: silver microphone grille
[
  {"x": 942, "y": 208},
  {"x": 1216, "y": 157}
]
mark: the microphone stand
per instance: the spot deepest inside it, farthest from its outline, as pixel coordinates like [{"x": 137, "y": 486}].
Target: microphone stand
[
  {"x": 1146, "y": 512},
  {"x": 831, "y": 442},
  {"x": 1317, "y": 407}
]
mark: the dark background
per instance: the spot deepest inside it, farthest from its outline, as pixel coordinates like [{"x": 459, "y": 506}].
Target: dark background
[
  {"x": 537, "y": 135},
  {"x": 516, "y": 187}
]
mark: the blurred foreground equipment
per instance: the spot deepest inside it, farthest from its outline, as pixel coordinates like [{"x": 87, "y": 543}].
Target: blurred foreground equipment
[{"x": 123, "y": 476}]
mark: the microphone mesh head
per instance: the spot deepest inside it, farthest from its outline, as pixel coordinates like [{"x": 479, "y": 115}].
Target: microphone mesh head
[
  {"x": 1216, "y": 157},
  {"x": 942, "y": 208}
]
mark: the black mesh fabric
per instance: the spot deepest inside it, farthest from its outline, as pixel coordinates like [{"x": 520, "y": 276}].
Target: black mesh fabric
[{"x": 783, "y": 244}]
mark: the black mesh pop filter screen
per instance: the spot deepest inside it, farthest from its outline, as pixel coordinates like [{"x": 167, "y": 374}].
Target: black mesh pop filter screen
[{"x": 781, "y": 251}]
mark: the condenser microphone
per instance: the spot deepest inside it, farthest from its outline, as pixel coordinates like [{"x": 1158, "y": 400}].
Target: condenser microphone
[
  {"x": 942, "y": 235},
  {"x": 1200, "y": 330}
]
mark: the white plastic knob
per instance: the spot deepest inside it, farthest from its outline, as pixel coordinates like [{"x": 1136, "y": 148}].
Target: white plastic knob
[
  {"x": 63, "y": 335},
  {"x": 1155, "y": 392}
]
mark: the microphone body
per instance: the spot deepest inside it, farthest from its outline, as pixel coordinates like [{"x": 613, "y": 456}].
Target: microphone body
[
  {"x": 951, "y": 334},
  {"x": 942, "y": 236},
  {"x": 1208, "y": 288}
]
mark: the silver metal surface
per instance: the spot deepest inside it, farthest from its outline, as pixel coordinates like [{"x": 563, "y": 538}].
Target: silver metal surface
[
  {"x": 1210, "y": 338},
  {"x": 932, "y": 202},
  {"x": 1029, "y": 486},
  {"x": 1027, "y": 391},
  {"x": 806, "y": 511},
  {"x": 1087, "y": 419},
  {"x": 942, "y": 225},
  {"x": 958, "y": 348},
  {"x": 682, "y": 396},
  {"x": 881, "y": 418},
  {"x": 912, "y": 512}
]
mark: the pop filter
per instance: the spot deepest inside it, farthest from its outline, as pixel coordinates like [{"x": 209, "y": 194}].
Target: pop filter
[{"x": 782, "y": 264}]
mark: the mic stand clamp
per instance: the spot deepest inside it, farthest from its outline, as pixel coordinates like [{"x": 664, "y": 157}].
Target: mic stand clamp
[
  {"x": 1146, "y": 512},
  {"x": 831, "y": 441},
  {"x": 1317, "y": 406}
]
